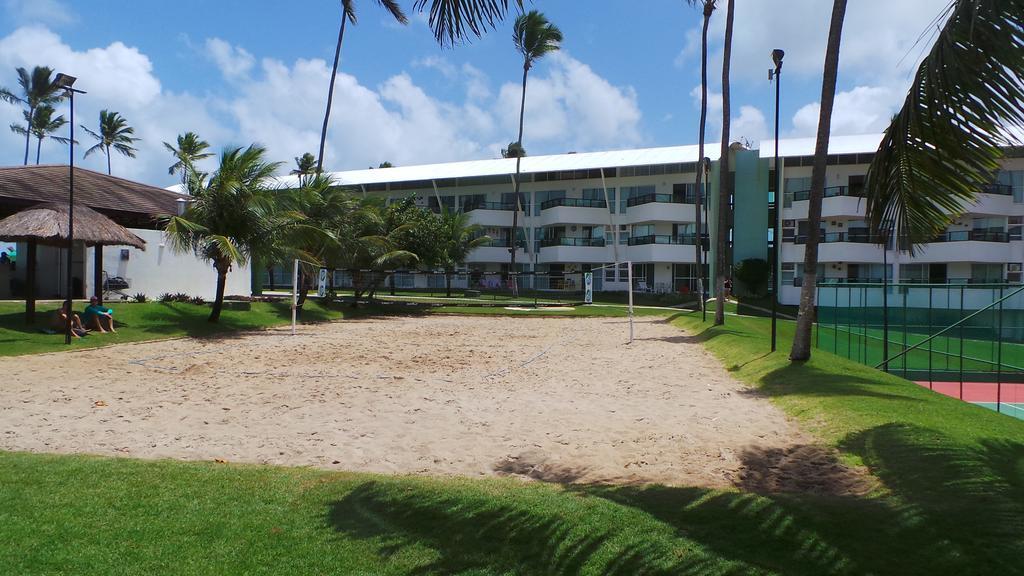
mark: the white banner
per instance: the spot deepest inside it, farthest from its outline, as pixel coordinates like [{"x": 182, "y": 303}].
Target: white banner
[{"x": 321, "y": 287}]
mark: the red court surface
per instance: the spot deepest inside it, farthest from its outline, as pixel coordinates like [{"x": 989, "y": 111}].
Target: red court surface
[{"x": 980, "y": 392}]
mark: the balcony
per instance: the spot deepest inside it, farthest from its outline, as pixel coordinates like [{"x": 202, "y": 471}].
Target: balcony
[
  {"x": 973, "y": 236},
  {"x": 967, "y": 246},
  {"x": 571, "y": 241},
  {"x": 662, "y": 248},
  {"x": 488, "y": 206},
  {"x": 573, "y": 211},
  {"x": 490, "y": 213},
  {"x": 838, "y": 201},
  {"x": 497, "y": 250},
  {"x": 572, "y": 249},
  {"x": 994, "y": 200},
  {"x": 573, "y": 202},
  {"x": 660, "y": 208}
]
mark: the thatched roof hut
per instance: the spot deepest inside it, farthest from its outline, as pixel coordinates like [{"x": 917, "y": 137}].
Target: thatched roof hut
[{"x": 48, "y": 224}]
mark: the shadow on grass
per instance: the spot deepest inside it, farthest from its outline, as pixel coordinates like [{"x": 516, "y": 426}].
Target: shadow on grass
[
  {"x": 807, "y": 380},
  {"x": 952, "y": 508}
]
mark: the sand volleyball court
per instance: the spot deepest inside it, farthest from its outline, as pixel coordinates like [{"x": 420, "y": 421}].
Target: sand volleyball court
[{"x": 553, "y": 399}]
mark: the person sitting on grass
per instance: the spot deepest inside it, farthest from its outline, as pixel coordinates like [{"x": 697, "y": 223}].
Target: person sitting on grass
[
  {"x": 98, "y": 317},
  {"x": 60, "y": 322}
]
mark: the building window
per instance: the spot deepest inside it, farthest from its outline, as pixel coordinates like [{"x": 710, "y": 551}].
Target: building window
[
  {"x": 685, "y": 279},
  {"x": 914, "y": 273},
  {"x": 788, "y": 276},
  {"x": 986, "y": 273},
  {"x": 1015, "y": 180},
  {"x": 627, "y": 192},
  {"x": 795, "y": 189},
  {"x": 1013, "y": 272}
]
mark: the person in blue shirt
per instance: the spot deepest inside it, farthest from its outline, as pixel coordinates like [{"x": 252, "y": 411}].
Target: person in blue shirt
[{"x": 98, "y": 317}]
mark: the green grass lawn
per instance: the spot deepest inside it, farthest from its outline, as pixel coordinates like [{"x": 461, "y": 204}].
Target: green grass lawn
[
  {"x": 949, "y": 500},
  {"x": 146, "y": 321}
]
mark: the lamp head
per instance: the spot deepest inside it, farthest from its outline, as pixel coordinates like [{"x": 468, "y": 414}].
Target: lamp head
[
  {"x": 777, "y": 56},
  {"x": 63, "y": 81}
]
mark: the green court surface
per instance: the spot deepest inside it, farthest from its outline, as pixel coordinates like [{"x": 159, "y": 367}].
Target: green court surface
[{"x": 971, "y": 349}]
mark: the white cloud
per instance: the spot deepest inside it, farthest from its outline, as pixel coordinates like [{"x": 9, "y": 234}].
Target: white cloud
[
  {"x": 50, "y": 12},
  {"x": 118, "y": 78},
  {"x": 281, "y": 105},
  {"x": 750, "y": 126},
  {"x": 233, "y": 62},
  {"x": 878, "y": 56},
  {"x": 858, "y": 111},
  {"x": 572, "y": 105}
]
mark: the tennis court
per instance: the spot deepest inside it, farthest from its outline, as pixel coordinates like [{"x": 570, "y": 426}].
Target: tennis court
[{"x": 965, "y": 341}]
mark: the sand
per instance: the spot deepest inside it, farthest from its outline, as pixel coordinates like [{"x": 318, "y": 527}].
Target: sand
[{"x": 564, "y": 400}]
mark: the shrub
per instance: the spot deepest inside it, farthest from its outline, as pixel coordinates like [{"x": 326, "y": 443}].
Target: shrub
[
  {"x": 753, "y": 274},
  {"x": 140, "y": 298},
  {"x": 197, "y": 300}
]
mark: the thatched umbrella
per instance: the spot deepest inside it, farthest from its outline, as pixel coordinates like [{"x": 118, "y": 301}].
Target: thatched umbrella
[{"x": 48, "y": 224}]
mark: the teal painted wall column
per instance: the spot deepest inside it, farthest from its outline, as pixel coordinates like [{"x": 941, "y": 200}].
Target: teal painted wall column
[{"x": 751, "y": 221}]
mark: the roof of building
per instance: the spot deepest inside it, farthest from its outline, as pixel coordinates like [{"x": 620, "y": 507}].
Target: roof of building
[
  {"x": 47, "y": 223},
  {"x": 530, "y": 165},
  {"x": 856, "y": 144},
  {"x": 49, "y": 183}
]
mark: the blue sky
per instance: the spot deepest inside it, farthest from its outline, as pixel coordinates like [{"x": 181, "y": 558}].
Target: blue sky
[{"x": 238, "y": 72}]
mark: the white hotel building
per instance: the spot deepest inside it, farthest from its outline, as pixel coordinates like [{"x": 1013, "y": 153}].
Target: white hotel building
[{"x": 581, "y": 211}]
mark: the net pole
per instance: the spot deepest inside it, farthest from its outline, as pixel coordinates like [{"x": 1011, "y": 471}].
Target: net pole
[
  {"x": 931, "y": 385},
  {"x": 295, "y": 293},
  {"x": 629, "y": 278}
]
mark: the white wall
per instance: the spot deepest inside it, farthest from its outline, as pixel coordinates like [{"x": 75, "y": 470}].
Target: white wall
[{"x": 159, "y": 269}]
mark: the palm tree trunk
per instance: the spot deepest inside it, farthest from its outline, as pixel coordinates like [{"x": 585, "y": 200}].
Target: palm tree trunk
[
  {"x": 722, "y": 228},
  {"x": 108, "y": 160},
  {"x": 39, "y": 145},
  {"x": 448, "y": 283},
  {"x": 801, "y": 350},
  {"x": 708, "y": 8},
  {"x": 519, "y": 160},
  {"x": 28, "y": 133},
  {"x": 218, "y": 300},
  {"x": 330, "y": 95}
]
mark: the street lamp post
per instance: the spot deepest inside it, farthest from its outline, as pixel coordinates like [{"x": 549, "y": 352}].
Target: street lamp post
[
  {"x": 65, "y": 82},
  {"x": 777, "y": 56}
]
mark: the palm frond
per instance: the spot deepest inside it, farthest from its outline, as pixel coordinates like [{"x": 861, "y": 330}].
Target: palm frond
[
  {"x": 394, "y": 9},
  {"x": 534, "y": 36},
  {"x": 455, "y": 21},
  {"x": 944, "y": 144}
]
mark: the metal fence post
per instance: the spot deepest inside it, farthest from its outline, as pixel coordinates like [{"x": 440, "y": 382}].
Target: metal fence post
[
  {"x": 999, "y": 355},
  {"x": 962, "y": 287},
  {"x": 930, "y": 291},
  {"x": 904, "y": 359}
]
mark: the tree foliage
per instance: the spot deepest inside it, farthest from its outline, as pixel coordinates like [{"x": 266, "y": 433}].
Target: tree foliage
[{"x": 944, "y": 144}]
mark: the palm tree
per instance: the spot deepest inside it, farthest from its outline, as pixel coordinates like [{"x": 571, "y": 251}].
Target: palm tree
[
  {"x": 377, "y": 238},
  {"x": 305, "y": 166},
  {"x": 721, "y": 229},
  {"x": 191, "y": 148},
  {"x": 945, "y": 142},
  {"x": 454, "y": 21},
  {"x": 42, "y": 126},
  {"x": 114, "y": 133},
  {"x": 801, "y": 350},
  {"x": 533, "y": 37},
  {"x": 231, "y": 217},
  {"x": 708, "y": 8},
  {"x": 37, "y": 89},
  {"x": 456, "y": 240},
  {"x": 348, "y": 14}
]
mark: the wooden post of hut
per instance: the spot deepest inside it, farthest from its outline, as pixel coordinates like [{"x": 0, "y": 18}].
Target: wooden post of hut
[
  {"x": 30, "y": 283},
  {"x": 97, "y": 276}
]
